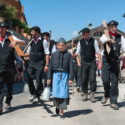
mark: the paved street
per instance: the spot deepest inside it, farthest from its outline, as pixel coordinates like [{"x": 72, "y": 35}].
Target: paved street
[{"x": 78, "y": 113}]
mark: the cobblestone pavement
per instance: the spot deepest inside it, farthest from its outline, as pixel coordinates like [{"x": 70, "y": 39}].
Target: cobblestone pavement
[{"x": 78, "y": 112}]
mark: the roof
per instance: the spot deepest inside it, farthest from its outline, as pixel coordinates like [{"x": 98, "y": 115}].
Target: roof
[{"x": 93, "y": 30}]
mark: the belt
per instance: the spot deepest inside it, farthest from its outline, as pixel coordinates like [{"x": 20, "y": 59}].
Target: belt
[
  {"x": 111, "y": 59},
  {"x": 88, "y": 61}
]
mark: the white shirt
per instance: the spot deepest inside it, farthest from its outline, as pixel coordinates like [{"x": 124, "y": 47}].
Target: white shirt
[
  {"x": 6, "y": 37},
  {"x": 96, "y": 46},
  {"x": 45, "y": 46},
  {"x": 104, "y": 39},
  {"x": 53, "y": 49}
]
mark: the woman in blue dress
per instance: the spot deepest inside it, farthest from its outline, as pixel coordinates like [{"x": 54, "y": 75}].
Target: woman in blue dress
[{"x": 61, "y": 71}]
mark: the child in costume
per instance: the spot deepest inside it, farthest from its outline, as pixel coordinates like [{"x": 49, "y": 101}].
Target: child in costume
[{"x": 61, "y": 69}]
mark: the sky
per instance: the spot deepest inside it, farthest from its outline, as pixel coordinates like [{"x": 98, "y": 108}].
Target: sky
[{"x": 66, "y": 17}]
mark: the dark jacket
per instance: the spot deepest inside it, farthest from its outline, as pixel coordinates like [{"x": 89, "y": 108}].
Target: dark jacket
[
  {"x": 7, "y": 56},
  {"x": 115, "y": 48},
  {"x": 62, "y": 62},
  {"x": 37, "y": 51},
  {"x": 87, "y": 50}
]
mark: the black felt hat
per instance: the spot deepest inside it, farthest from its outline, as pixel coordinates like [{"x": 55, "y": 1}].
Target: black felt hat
[
  {"x": 36, "y": 28},
  {"x": 113, "y": 23},
  {"x": 85, "y": 30},
  {"x": 3, "y": 24},
  {"x": 76, "y": 41},
  {"x": 46, "y": 33}
]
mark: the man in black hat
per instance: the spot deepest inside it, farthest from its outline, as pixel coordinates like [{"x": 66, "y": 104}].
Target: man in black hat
[
  {"x": 110, "y": 65},
  {"x": 39, "y": 54},
  {"x": 87, "y": 47},
  {"x": 76, "y": 66},
  {"x": 52, "y": 49},
  {"x": 51, "y": 43},
  {"x": 7, "y": 65}
]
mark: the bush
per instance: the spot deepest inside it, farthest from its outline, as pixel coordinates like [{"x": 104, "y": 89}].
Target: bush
[
  {"x": 20, "y": 24},
  {"x": 8, "y": 12},
  {"x": 27, "y": 29}
]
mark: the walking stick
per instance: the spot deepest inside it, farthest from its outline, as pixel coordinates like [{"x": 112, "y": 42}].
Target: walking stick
[
  {"x": 72, "y": 83},
  {"x": 20, "y": 53},
  {"x": 17, "y": 48},
  {"x": 27, "y": 46},
  {"x": 108, "y": 45},
  {"x": 50, "y": 32}
]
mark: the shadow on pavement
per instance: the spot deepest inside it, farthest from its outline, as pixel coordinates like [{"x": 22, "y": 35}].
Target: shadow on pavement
[
  {"x": 75, "y": 113},
  {"x": 105, "y": 104},
  {"x": 121, "y": 104},
  {"x": 47, "y": 107},
  {"x": 22, "y": 107},
  {"x": 99, "y": 92},
  {"x": 42, "y": 104},
  {"x": 98, "y": 98}
]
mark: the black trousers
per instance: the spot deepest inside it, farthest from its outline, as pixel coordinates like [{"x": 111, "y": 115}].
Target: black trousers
[
  {"x": 35, "y": 69},
  {"x": 89, "y": 75},
  {"x": 77, "y": 74},
  {"x": 110, "y": 75},
  {"x": 8, "y": 78}
]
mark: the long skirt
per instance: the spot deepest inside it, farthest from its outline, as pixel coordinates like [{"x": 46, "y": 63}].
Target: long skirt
[
  {"x": 61, "y": 103},
  {"x": 60, "y": 89}
]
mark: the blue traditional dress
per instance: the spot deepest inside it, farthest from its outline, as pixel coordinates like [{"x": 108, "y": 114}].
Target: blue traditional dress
[
  {"x": 60, "y": 84},
  {"x": 61, "y": 71}
]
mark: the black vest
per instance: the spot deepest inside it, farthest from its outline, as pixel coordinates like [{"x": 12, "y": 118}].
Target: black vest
[
  {"x": 74, "y": 59},
  {"x": 37, "y": 51},
  {"x": 87, "y": 50},
  {"x": 7, "y": 54},
  {"x": 51, "y": 46},
  {"x": 115, "y": 48}
]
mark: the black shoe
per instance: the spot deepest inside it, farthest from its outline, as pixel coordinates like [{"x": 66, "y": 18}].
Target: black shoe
[
  {"x": 8, "y": 107},
  {"x": 114, "y": 106},
  {"x": 62, "y": 117},
  {"x": 1, "y": 111},
  {"x": 57, "y": 110}
]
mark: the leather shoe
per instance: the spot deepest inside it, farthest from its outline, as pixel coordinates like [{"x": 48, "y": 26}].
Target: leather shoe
[
  {"x": 104, "y": 100},
  {"x": 114, "y": 106}
]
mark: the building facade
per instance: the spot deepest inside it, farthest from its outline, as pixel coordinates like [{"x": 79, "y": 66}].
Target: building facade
[
  {"x": 95, "y": 33},
  {"x": 20, "y": 14},
  {"x": 16, "y": 3}
]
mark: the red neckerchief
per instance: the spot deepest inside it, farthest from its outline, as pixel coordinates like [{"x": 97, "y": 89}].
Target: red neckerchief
[
  {"x": 112, "y": 34},
  {"x": 36, "y": 40},
  {"x": 2, "y": 38}
]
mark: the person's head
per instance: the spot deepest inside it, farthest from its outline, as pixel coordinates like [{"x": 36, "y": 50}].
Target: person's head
[
  {"x": 61, "y": 44},
  {"x": 3, "y": 29},
  {"x": 46, "y": 35},
  {"x": 35, "y": 31},
  {"x": 76, "y": 42},
  {"x": 85, "y": 33},
  {"x": 112, "y": 26},
  {"x": 53, "y": 41}
]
